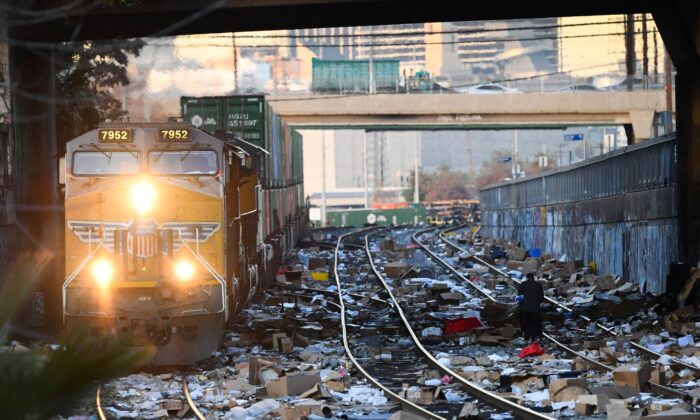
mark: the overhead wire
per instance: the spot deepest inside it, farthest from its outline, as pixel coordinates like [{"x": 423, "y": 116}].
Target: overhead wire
[
  {"x": 422, "y": 33},
  {"x": 408, "y": 44}
]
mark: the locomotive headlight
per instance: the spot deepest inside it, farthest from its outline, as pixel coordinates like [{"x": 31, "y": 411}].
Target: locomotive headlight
[
  {"x": 184, "y": 270},
  {"x": 102, "y": 271},
  {"x": 142, "y": 196}
]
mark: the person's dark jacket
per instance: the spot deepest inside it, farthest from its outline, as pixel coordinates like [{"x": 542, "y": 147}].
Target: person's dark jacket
[{"x": 533, "y": 295}]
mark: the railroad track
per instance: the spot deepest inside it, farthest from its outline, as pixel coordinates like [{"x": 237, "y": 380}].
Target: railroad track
[
  {"x": 192, "y": 406},
  {"x": 497, "y": 271},
  {"x": 656, "y": 388},
  {"x": 383, "y": 378}
]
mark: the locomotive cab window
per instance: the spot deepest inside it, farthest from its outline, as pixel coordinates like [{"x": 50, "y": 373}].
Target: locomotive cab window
[
  {"x": 105, "y": 163},
  {"x": 183, "y": 162}
]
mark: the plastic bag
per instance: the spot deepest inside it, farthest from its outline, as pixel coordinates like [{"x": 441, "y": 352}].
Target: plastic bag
[{"x": 531, "y": 350}]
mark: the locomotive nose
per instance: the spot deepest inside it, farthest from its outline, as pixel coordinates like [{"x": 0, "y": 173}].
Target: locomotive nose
[{"x": 143, "y": 195}]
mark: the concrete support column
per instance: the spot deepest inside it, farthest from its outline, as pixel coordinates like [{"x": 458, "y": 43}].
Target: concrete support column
[
  {"x": 39, "y": 216},
  {"x": 688, "y": 131}
]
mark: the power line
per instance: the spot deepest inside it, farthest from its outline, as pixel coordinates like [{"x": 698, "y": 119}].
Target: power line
[
  {"x": 423, "y": 33},
  {"x": 409, "y": 44}
]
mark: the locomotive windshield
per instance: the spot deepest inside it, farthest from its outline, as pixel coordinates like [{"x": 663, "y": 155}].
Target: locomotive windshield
[
  {"x": 105, "y": 163},
  {"x": 185, "y": 162}
]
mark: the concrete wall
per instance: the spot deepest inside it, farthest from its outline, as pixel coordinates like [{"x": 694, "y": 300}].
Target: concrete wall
[{"x": 618, "y": 210}]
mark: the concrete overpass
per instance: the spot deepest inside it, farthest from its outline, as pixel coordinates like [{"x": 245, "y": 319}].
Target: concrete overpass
[{"x": 634, "y": 110}]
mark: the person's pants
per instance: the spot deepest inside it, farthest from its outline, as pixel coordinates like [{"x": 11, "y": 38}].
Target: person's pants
[{"x": 531, "y": 323}]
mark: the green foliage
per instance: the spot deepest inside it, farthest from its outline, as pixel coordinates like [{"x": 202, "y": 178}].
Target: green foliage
[
  {"x": 42, "y": 382},
  {"x": 85, "y": 74}
]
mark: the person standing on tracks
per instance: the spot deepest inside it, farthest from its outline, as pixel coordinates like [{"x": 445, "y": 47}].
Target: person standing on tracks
[{"x": 531, "y": 295}]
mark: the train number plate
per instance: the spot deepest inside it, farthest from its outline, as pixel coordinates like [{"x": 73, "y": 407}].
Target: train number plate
[
  {"x": 177, "y": 134},
  {"x": 115, "y": 135}
]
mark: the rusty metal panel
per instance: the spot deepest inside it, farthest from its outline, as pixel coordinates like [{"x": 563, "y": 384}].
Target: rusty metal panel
[{"x": 618, "y": 210}]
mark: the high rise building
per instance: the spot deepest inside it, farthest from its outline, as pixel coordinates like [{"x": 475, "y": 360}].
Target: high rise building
[{"x": 454, "y": 52}]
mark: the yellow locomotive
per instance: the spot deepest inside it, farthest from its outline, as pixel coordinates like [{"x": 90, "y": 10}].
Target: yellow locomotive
[{"x": 160, "y": 236}]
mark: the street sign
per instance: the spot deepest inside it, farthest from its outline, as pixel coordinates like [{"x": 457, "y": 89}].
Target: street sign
[
  {"x": 505, "y": 159},
  {"x": 573, "y": 137}
]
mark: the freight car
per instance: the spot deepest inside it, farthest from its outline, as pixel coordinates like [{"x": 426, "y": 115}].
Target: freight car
[
  {"x": 282, "y": 210},
  {"x": 170, "y": 230},
  {"x": 413, "y": 214}
]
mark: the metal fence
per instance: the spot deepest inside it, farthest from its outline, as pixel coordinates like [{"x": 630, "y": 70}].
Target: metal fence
[
  {"x": 643, "y": 166},
  {"x": 618, "y": 210}
]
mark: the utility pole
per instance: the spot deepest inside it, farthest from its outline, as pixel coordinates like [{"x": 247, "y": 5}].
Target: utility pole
[
  {"x": 366, "y": 169},
  {"x": 645, "y": 48},
  {"x": 630, "y": 56},
  {"x": 470, "y": 168},
  {"x": 323, "y": 178},
  {"x": 656, "y": 59},
  {"x": 416, "y": 166},
  {"x": 235, "y": 61}
]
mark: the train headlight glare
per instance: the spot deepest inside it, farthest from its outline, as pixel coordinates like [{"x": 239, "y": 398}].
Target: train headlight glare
[
  {"x": 143, "y": 195},
  {"x": 102, "y": 271},
  {"x": 184, "y": 270}
]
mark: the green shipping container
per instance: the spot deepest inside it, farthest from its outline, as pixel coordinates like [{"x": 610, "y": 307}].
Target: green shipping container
[
  {"x": 240, "y": 115},
  {"x": 202, "y": 113},
  {"x": 245, "y": 117},
  {"x": 353, "y": 75},
  {"x": 414, "y": 214}
]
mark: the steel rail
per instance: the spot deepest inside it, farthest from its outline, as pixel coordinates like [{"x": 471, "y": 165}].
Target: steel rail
[
  {"x": 98, "y": 404},
  {"x": 403, "y": 401},
  {"x": 193, "y": 407},
  {"x": 481, "y": 394},
  {"x": 655, "y": 387},
  {"x": 101, "y": 414},
  {"x": 454, "y": 271},
  {"x": 558, "y": 304}
]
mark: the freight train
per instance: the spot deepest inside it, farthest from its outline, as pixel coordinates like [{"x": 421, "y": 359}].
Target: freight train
[{"x": 169, "y": 230}]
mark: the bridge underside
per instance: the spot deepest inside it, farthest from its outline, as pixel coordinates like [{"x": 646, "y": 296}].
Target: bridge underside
[{"x": 634, "y": 110}]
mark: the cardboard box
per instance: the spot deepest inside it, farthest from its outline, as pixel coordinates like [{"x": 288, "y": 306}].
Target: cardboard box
[
  {"x": 256, "y": 364},
  {"x": 317, "y": 262},
  {"x": 514, "y": 265},
  {"x": 300, "y": 410},
  {"x": 394, "y": 270},
  {"x": 658, "y": 376},
  {"x": 635, "y": 376},
  {"x": 558, "y": 385},
  {"x": 530, "y": 266},
  {"x": 594, "y": 344},
  {"x": 286, "y": 345},
  {"x": 451, "y": 298},
  {"x": 517, "y": 253},
  {"x": 293, "y": 383},
  {"x": 584, "y": 409}
]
